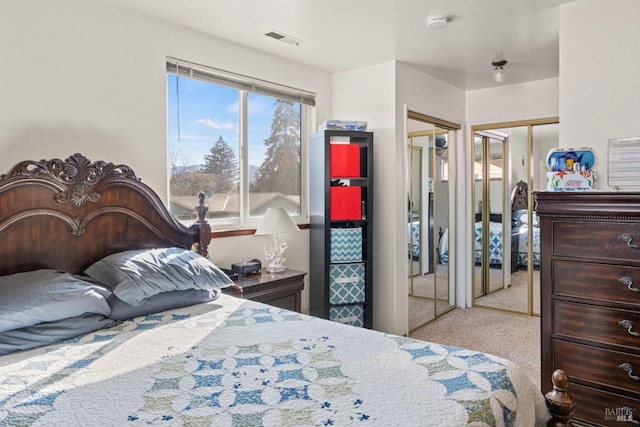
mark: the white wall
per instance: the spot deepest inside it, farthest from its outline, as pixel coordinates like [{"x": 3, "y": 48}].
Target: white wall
[
  {"x": 368, "y": 94},
  {"x": 599, "y": 83},
  {"x": 83, "y": 76},
  {"x": 524, "y": 101}
]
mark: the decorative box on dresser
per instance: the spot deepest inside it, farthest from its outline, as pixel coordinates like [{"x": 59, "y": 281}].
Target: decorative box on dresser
[{"x": 590, "y": 301}]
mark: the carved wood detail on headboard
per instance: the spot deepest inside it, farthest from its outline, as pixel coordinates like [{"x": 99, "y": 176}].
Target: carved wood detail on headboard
[
  {"x": 76, "y": 177},
  {"x": 66, "y": 214}
]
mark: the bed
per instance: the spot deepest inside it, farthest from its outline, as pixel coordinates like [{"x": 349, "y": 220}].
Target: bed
[
  {"x": 414, "y": 244},
  {"x": 201, "y": 361},
  {"x": 520, "y": 232}
]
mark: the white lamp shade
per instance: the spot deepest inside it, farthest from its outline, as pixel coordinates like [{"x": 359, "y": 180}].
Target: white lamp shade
[{"x": 276, "y": 220}]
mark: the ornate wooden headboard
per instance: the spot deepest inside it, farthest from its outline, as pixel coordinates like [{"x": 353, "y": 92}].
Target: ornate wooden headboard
[{"x": 67, "y": 214}]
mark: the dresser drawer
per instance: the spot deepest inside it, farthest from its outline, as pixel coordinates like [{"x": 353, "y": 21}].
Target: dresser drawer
[
  {"x": 600, "y": 282},
  {"x": 603, "y": 408},
  {"x": 596, "y": 240},
  {"x": 604, "y": 325},
  {"x": 595, "y": 365}
]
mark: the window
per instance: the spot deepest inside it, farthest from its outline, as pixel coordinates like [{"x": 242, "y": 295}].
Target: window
[{"x": 240, "y": 140}]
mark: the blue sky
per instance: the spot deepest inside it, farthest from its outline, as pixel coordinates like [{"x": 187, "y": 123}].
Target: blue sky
[{"x": 208, "y": 111}]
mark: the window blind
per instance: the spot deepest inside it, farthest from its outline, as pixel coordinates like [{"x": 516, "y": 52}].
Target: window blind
[{"x": 239, "y": 81}]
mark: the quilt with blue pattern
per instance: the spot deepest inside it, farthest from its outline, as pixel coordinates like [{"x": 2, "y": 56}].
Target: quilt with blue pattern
[{"x": 238, "y": 363}]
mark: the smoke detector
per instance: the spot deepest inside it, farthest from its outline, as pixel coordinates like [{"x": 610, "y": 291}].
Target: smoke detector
[
  {"x": 280, "y": 36},
  {"x": 438, "y": 22}
]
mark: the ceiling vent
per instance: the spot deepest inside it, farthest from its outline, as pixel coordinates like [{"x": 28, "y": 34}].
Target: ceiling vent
[{"x": 283, "y": 38}]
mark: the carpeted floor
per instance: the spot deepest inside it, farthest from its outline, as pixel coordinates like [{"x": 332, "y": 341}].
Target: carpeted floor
[
  {"x": 511, "y": 336},
  {"x": 425, "y": 299},
  {"x": 515, "y": 297}
]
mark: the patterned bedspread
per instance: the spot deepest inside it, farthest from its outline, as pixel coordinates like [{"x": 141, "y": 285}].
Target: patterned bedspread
[
  {"x": 240, "y": 363},
  {"x": 495, "y": 242},
  {"x": 414, "y": 245},
  {"x": 523, "y": 244}
]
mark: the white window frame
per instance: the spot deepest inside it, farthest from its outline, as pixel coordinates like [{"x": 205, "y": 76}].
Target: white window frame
[{"x": 245, "y": 85}]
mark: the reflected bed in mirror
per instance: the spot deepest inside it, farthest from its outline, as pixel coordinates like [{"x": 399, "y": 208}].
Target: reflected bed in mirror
[{"x": 506, "y": 248}]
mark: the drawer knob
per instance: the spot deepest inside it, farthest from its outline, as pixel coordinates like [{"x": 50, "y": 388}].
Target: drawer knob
[
  {"x": 628, "y": 368},
  {"x": 628, "y": 283},
  {"x": 629, "y": 325},
  {"x": 627, "y": 238}
]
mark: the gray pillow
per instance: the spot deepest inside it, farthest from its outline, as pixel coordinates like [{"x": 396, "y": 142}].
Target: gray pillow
[
  {"x": 139, "y": 274},
  {"x": 47, "y": 295},
  {"x": 120, "y": 310},
  {"x": 50, "y": 332}
]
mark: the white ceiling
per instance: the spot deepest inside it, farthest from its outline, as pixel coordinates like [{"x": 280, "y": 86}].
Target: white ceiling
[{"x": 340, "y": 35}]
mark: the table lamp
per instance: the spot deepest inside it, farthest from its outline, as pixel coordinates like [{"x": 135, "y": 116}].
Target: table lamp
[{"x": 274, "y": 222}]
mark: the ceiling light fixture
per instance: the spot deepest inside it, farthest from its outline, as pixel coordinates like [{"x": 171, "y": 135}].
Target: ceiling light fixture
[
  {"x": 498, "y": 70},
  {"x": 438, "y": 22}
]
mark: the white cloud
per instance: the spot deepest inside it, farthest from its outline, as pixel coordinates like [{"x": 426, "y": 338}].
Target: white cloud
[
  {"x": 190, "y": 137},
  {"x": 215, "y": 124}
]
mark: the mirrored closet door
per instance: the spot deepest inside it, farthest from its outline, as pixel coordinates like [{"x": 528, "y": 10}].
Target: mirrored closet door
[
  {"x": 509, "y": 164},
  {"x": 431, "y": 292}
]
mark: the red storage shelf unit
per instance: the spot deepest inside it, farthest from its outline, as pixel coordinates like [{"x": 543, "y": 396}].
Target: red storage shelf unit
[{"x": 341, "y": 234}]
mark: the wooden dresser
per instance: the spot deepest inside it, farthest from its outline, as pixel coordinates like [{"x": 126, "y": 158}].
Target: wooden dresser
[{"x": 590, "y": 301}]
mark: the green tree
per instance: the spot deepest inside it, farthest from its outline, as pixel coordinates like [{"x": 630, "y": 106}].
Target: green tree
[
  {"x": 191, "y": 183},
  {"x": 223, "y": 164},
  {"x": 280, "y": 170}
]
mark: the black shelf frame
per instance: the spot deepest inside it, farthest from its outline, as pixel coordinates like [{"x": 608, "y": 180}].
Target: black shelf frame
[{"x": 321, "y": 223}]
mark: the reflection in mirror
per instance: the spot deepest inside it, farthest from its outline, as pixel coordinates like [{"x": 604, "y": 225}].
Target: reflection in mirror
[
  {"x": 445, "y": 288},
  {"x": 430, "y": 290},
  {"x": 415, "y": 212},
  {"x": 419, "y": 228},
  {"x": 492, "y": 257},
  {"x": 507, "y": 233},
  {"x": 545, "y": 138}
]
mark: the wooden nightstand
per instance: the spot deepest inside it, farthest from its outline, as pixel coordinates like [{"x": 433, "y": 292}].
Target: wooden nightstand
[{"x": 282, "y": 290}]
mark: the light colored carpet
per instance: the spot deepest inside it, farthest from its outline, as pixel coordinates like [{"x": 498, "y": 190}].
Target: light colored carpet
[
  {"x": 513, "y": 298},
  {"x": 424, "y": 299},
  {"x": 511, "y": 336}
]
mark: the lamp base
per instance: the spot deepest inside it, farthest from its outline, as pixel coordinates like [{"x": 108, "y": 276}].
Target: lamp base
[{"x": 274, "y": 254}]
